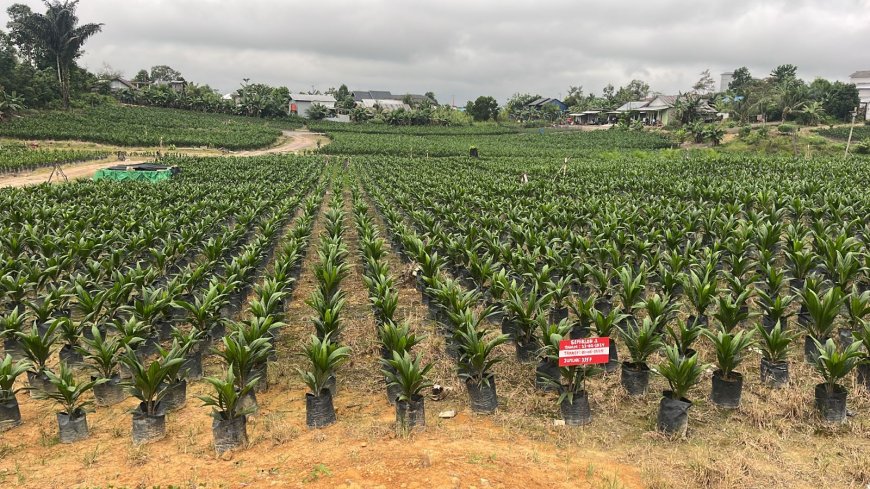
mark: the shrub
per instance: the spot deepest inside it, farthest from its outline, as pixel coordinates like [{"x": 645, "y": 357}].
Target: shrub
[{"x": 786, "y": 128}]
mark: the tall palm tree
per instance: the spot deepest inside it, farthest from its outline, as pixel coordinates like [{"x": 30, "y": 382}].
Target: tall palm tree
[{"x": 61, "y": 36}]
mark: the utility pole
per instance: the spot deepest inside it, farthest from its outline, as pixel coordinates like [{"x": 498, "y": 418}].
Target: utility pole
[{"x": 851, "y": 129}]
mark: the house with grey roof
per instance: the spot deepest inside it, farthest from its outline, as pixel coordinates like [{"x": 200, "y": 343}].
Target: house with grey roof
[
  {"x": 659, "y": 110},
  {"x": 385, "y": 100},
  {"x": 861, "y": 79}
]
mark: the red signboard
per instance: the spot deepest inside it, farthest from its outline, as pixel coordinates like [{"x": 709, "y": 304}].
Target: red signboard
[{"x": 584, "y": 351}]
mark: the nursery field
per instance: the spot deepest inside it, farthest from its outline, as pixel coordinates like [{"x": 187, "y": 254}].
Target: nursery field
[
  {"x": 144, "y": 126},
  {"x": 16, "y": 156},
  {"x": 376, "y": 316}
]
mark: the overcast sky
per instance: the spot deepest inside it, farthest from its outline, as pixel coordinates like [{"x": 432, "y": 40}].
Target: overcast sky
[{"x": 464, "y": 48}]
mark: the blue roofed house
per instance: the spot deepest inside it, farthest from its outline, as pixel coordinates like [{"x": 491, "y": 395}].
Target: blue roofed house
[{"x": 542, "y": 102}]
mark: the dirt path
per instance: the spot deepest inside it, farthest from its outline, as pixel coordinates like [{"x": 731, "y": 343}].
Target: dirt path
[
  {"x": 74, "y": 171},
  {"x": 290, "y": 142}
]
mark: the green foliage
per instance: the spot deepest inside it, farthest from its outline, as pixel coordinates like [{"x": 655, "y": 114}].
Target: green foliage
[
  {"x": 324, "y": 357},
  {"x": 103, "y": 353},
  {"x": 730, "y": 348},
  {"x": 641, "y": 341},
  {"x": 774, "y": 345},
  {"x": 407, "y": 372},
  {"x": 10, "y": 371},
  {"x": 149, "y": 384},
  {"x": 142, "y": 126},
  {"x": 226, "y": 401},
  {"x": 37, "y": 346},
  {"x": 68, "y": 393},
  {"x": 682, "y": 373},
  {"x": 833, "y": 365}
]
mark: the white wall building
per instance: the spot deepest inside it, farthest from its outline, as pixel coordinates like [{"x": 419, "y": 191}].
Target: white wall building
[
  {"x": 861, "y": 79},
  {"x": 300, "y": 103}
]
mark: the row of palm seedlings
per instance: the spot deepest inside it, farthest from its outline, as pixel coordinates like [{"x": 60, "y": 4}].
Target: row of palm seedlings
[
  {"x": 468, "y": 336},
  {"x": 118, "y": 317},
  {"x": 324, "y": 352},
  {"x": 404, "y": 373},
  {"x": 250, "y": 344},
  {"x": 699, "y": 275}
]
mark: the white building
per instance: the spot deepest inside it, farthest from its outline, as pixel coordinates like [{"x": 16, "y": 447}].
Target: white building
[
  {"x": 118, "y": 84},
  {"x": 300, "y": 103},
  {"x": 725, "y": 80},
  {"x": 861, "y": 79}
]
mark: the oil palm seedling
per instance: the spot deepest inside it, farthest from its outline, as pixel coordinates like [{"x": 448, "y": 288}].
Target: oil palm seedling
[
  {"x": 833, "y": 365},
  {"x": 548, "y": 365},
  {"x": 176, "y": 382},
  {"x": 10, "y": 414},
  {"x": 857, "y": 307},
  {"x": 583, "y": 309},
  {"x": 774, "y": 308},
  {"x": 605, "y": 325},
  {"x": 70, "y": 332},
  {"x": 660, "y": 310},
  {"x": 409, "y": 374},
  {"x": 323, "y": 357},
  {"x": 559, "y": 291},
  {"x": 641, "y": 342},
  {"x": 682, "y": 373},
  {"x": 11, "y": 324},
  {"x": 72, "y": 420},
  {"x": 573, "y": 398},
  {"x": 395, "y": 337},
  {"x": 774, "y": 354},
  {"x": 244, "y": 355},
  {"x": 631, "y": 289},
  {"x": 476, "y": 361},
  {"x": 148, "y": 384},
  {"x": 863, "y": 368},
  {"x": 823, "y": 311},
  {"x": 229, "y": 415},
  {"x": 102, "y": 354},
  {"x": 190, "y": 342},
  {"x": 732, "y": 311},
  {"x": 700, "y": 291},
  {"x": 37, "y": 348},
  {"x": 524, "y": 310},
  {"x": 730, "y": 349}
]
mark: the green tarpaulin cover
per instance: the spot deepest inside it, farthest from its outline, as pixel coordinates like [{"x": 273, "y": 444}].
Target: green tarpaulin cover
[{"x": 138, "y": 176}]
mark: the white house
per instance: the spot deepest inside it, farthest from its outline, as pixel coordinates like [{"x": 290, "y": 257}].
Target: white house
[
  {"x": 300, "y": 103},
  {"x": 861, "y": 79},
  {"x": 119, "y": 84}
]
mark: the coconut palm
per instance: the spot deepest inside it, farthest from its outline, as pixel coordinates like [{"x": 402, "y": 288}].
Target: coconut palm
[{"x": 58, "y": 32}]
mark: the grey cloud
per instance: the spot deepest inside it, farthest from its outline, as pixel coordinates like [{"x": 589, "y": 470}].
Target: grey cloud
[{"x": 466, "y": 48}]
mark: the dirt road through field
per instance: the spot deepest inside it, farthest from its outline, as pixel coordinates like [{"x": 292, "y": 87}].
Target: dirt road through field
[
  {"x": 290, "y": 142},
  {"x": 73, "y": 171}
]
